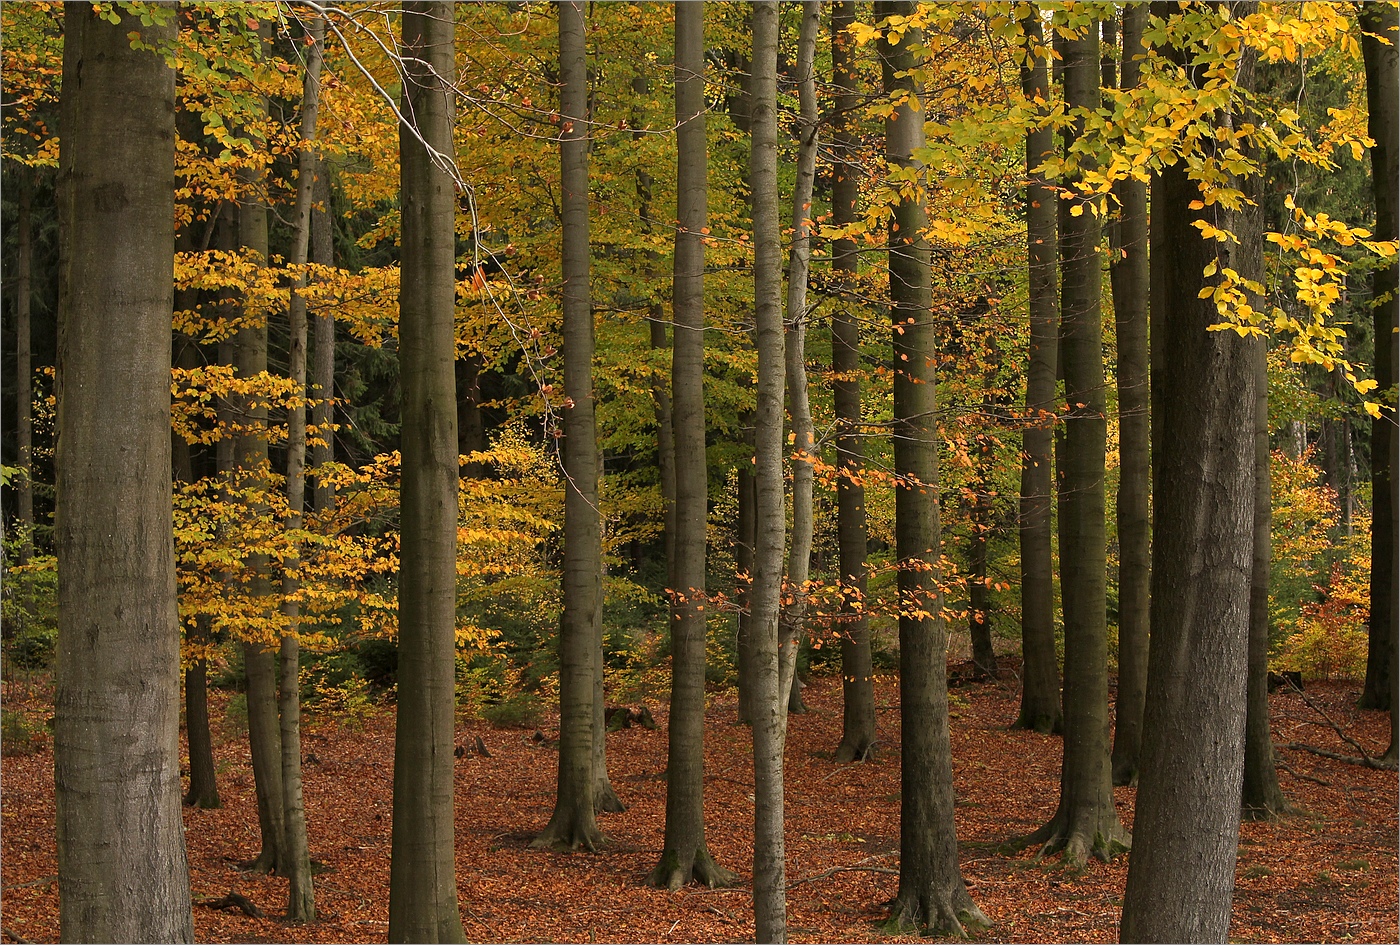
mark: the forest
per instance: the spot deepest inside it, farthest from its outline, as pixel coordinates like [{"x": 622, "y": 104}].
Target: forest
[{"x": 752, "y": 471}]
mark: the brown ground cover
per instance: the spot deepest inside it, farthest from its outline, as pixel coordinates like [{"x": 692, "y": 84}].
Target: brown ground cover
[{"x": 1326, "y": 874}]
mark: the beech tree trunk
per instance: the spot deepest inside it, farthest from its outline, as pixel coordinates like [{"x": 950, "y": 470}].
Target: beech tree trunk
[
  {"x": 1128, "y": 267},
  {"x": 572, "y": 826},
  {"x": 1086, "y": 821},
  {"x": 1383, "y": 102},
  {"x": 322, "y": 251},
  {"x": 1204, "y": 403},
  {"x": 684, "y": 855},
  {"x": 24, "y": 370},
  {"x": 122, "y": 872},
  {"x": 744, "y": 545},
  {"x": 422, "y": 872},
  {"x": 979, "y": 617},
  {"x": 932, "y": 894},
  {"x": 1040, "y": 672},
  {"x": 857, "y": 670}
]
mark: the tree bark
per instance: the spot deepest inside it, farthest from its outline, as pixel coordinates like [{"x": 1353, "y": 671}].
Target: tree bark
[
  {"x": 422, "y": 873},
  {"x": 1086, "y": 821},
  {"x": 122, "y": 872},
  {"x": 1128, "y": 269},
  {"x": 572, "y": 826},
  {"x": 857, "y": 670},
  {"x": 24, "y": 370},
  {"x": 932, "y": 893},
  {"x": 1204, "y": 402},
  {"x": 301, "y": 902},
  {"x": 322, "y": 251},
  {"x": 744, "y": 545},
  {"x": 1383, "y": 101},
  {"x": 684, "y": 855},
  {"x": 1040, "y": 674},
  {"x": 979, "y": 617}
]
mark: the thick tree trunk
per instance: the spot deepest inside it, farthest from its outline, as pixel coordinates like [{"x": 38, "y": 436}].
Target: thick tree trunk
[
  {"x": 24, "y": 370},
  {"x": 794, "y": 614},
  {"x": 857, "y": 670},
  {"x": 573, "y": 827},
  {"x": 301, "y": 903},
  {"x": 251, "y": 462},
  {"x": 1204, "y": 403},
  {"x": 1040, "y": 673},
  {"x": 1128, "y": 268},
  {"x": 684, "y": 855},
  {"x": 1383, "y": 102},
  {"x": 322, "y": 252},
  {"x": 122, "y": 873},
  {"x": 932, "y": 894},
  {"x": 422, "y": 873},
  {"x": 1086, "y": 821}
]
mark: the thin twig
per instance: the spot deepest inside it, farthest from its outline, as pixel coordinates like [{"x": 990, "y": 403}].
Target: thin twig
[
  {"x": 36, "y": 882},
  {"x": 1364, "y": 760},
  {"x": 18, "y": 938},
  {"x": 1298, "y": 774},
  {"x": 858, "y": 867}
]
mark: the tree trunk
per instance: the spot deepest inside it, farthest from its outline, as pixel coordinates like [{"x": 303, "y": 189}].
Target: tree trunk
[
  {"x": 857, "y": 671},
  {"x": 1086, "y": 821},
  {"x": 792, "y": 624},
  {"x": 684, "y": 855},
  {"x": 322, "y": 251},
  {"x": 1128, "y": 268},
  {"x": 573, "y": 827},
  {"x": 1040, "y": 674},
  {"x": 744, "y": 545},
  {"x": 422, "y": 873},
  {"x": 122, "y": 872},
  {"x": 1204, "y": 404},
  {"x": 24, "y": 371},
  {"x": 932, "y": 893},
  {"x": 301, "y": 902},
  {"x": 979, "y": 617},
  {"x": 251, "y": 461},
  {"x": 1383, "y": 101}
]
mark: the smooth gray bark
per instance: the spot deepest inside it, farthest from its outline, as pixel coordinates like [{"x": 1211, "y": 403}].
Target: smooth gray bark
[
  {"x": 322, "y": 252},
  {"x": 122, "y": 872},
  {"x": 422, "y": 871},
  {"x": 932, "y": 894},
  {"x": 24, "y": 370}
]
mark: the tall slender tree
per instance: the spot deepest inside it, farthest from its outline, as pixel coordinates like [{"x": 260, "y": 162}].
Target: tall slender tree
[
  {"x": 24, "y": 371},
  {"x": 857, "y": 669},
  {"x": 1379, "y": 45},
  {"x": 1128, "y": 267},
  {"x": 684, "y": 856},
  {"x": 1204, "y": 405},
  {"x": 322, "y": 252},
  {"x": 1040, "y": 672},
  {"x": 122, "y": 873},
  {"x": 422, "y": 872},
  {"x": 932, "y": 893},
  {"x": 572, "y": 825}
]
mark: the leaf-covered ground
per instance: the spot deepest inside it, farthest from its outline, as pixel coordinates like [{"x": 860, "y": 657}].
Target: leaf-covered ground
[{"x": 1326, "y": 874}]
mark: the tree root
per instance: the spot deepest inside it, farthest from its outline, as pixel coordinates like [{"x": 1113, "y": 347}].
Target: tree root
[
  {"x": 1364, "y": 760},
  {"x": 568, "y": 837},
  {"x": 935, "y": 912},
  {"x": 852, "y": 751},
  {"x": 605, "y": 799},
  {"x": 233, "y": 901},
  {"x": 1078, "y": 840},
  {"x": 671, "y": 875}
]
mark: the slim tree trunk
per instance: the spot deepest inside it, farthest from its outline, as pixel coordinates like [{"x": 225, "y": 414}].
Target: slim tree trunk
[
  {"x": 1383, "y": 101},
  {"x": 573, "y": 827},
  {"x": 746, "y": 540},
  {"x": 422, "y": 873},
  {"x": 251, "y": 461},
  {"x": 979, "y": 615},
  {"x": 24, "y": 371},
  {"x": 301, "y": 902},
  {"x": 1128, "y": 267},
  {"x": 122, "y": 873},
  {"x": 1086, "y": 821},
  {"x": 1040, "y": 674},
  {"x": 1204, "y": 403},
  {"x": 322, "y": 252},
  {"x": 857, "y": 669},
  {"x": 684, "y": 855},
  {"x": 932, "y": 894}
]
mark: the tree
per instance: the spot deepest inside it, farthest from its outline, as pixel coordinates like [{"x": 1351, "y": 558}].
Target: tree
[
  {"x": 1379, "y": 50},
  {"x": 684, "y": 855},
  {"x": 1040, "y": 676},
  {"x": 857, "y": 671},
  {"x": 122, "y": 872},
  {"x": 1129, "y": 273},
  {"x": 322, "y": 252},
  {"x": 24, "y": 371},
  {"x": 422, "y": 873},
  {"x": 572, "y": 825},
  {"x": 1086, "y": 821},
  {"x": 1203, "y": 468},
  {"x": 932, "y": 893}
]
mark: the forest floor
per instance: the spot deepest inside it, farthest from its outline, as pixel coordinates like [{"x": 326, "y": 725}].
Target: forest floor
[{"x": 1327, "y": 874}]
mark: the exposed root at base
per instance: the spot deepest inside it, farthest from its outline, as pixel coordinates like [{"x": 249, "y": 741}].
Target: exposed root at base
[
  {"x": 671, "y": 875},
  {"x": 852, "y": 751},
  {"x": 1077, "y": 842},
  {"x": 568, "y": 838},
  {"x": 940, "y": 915}
]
